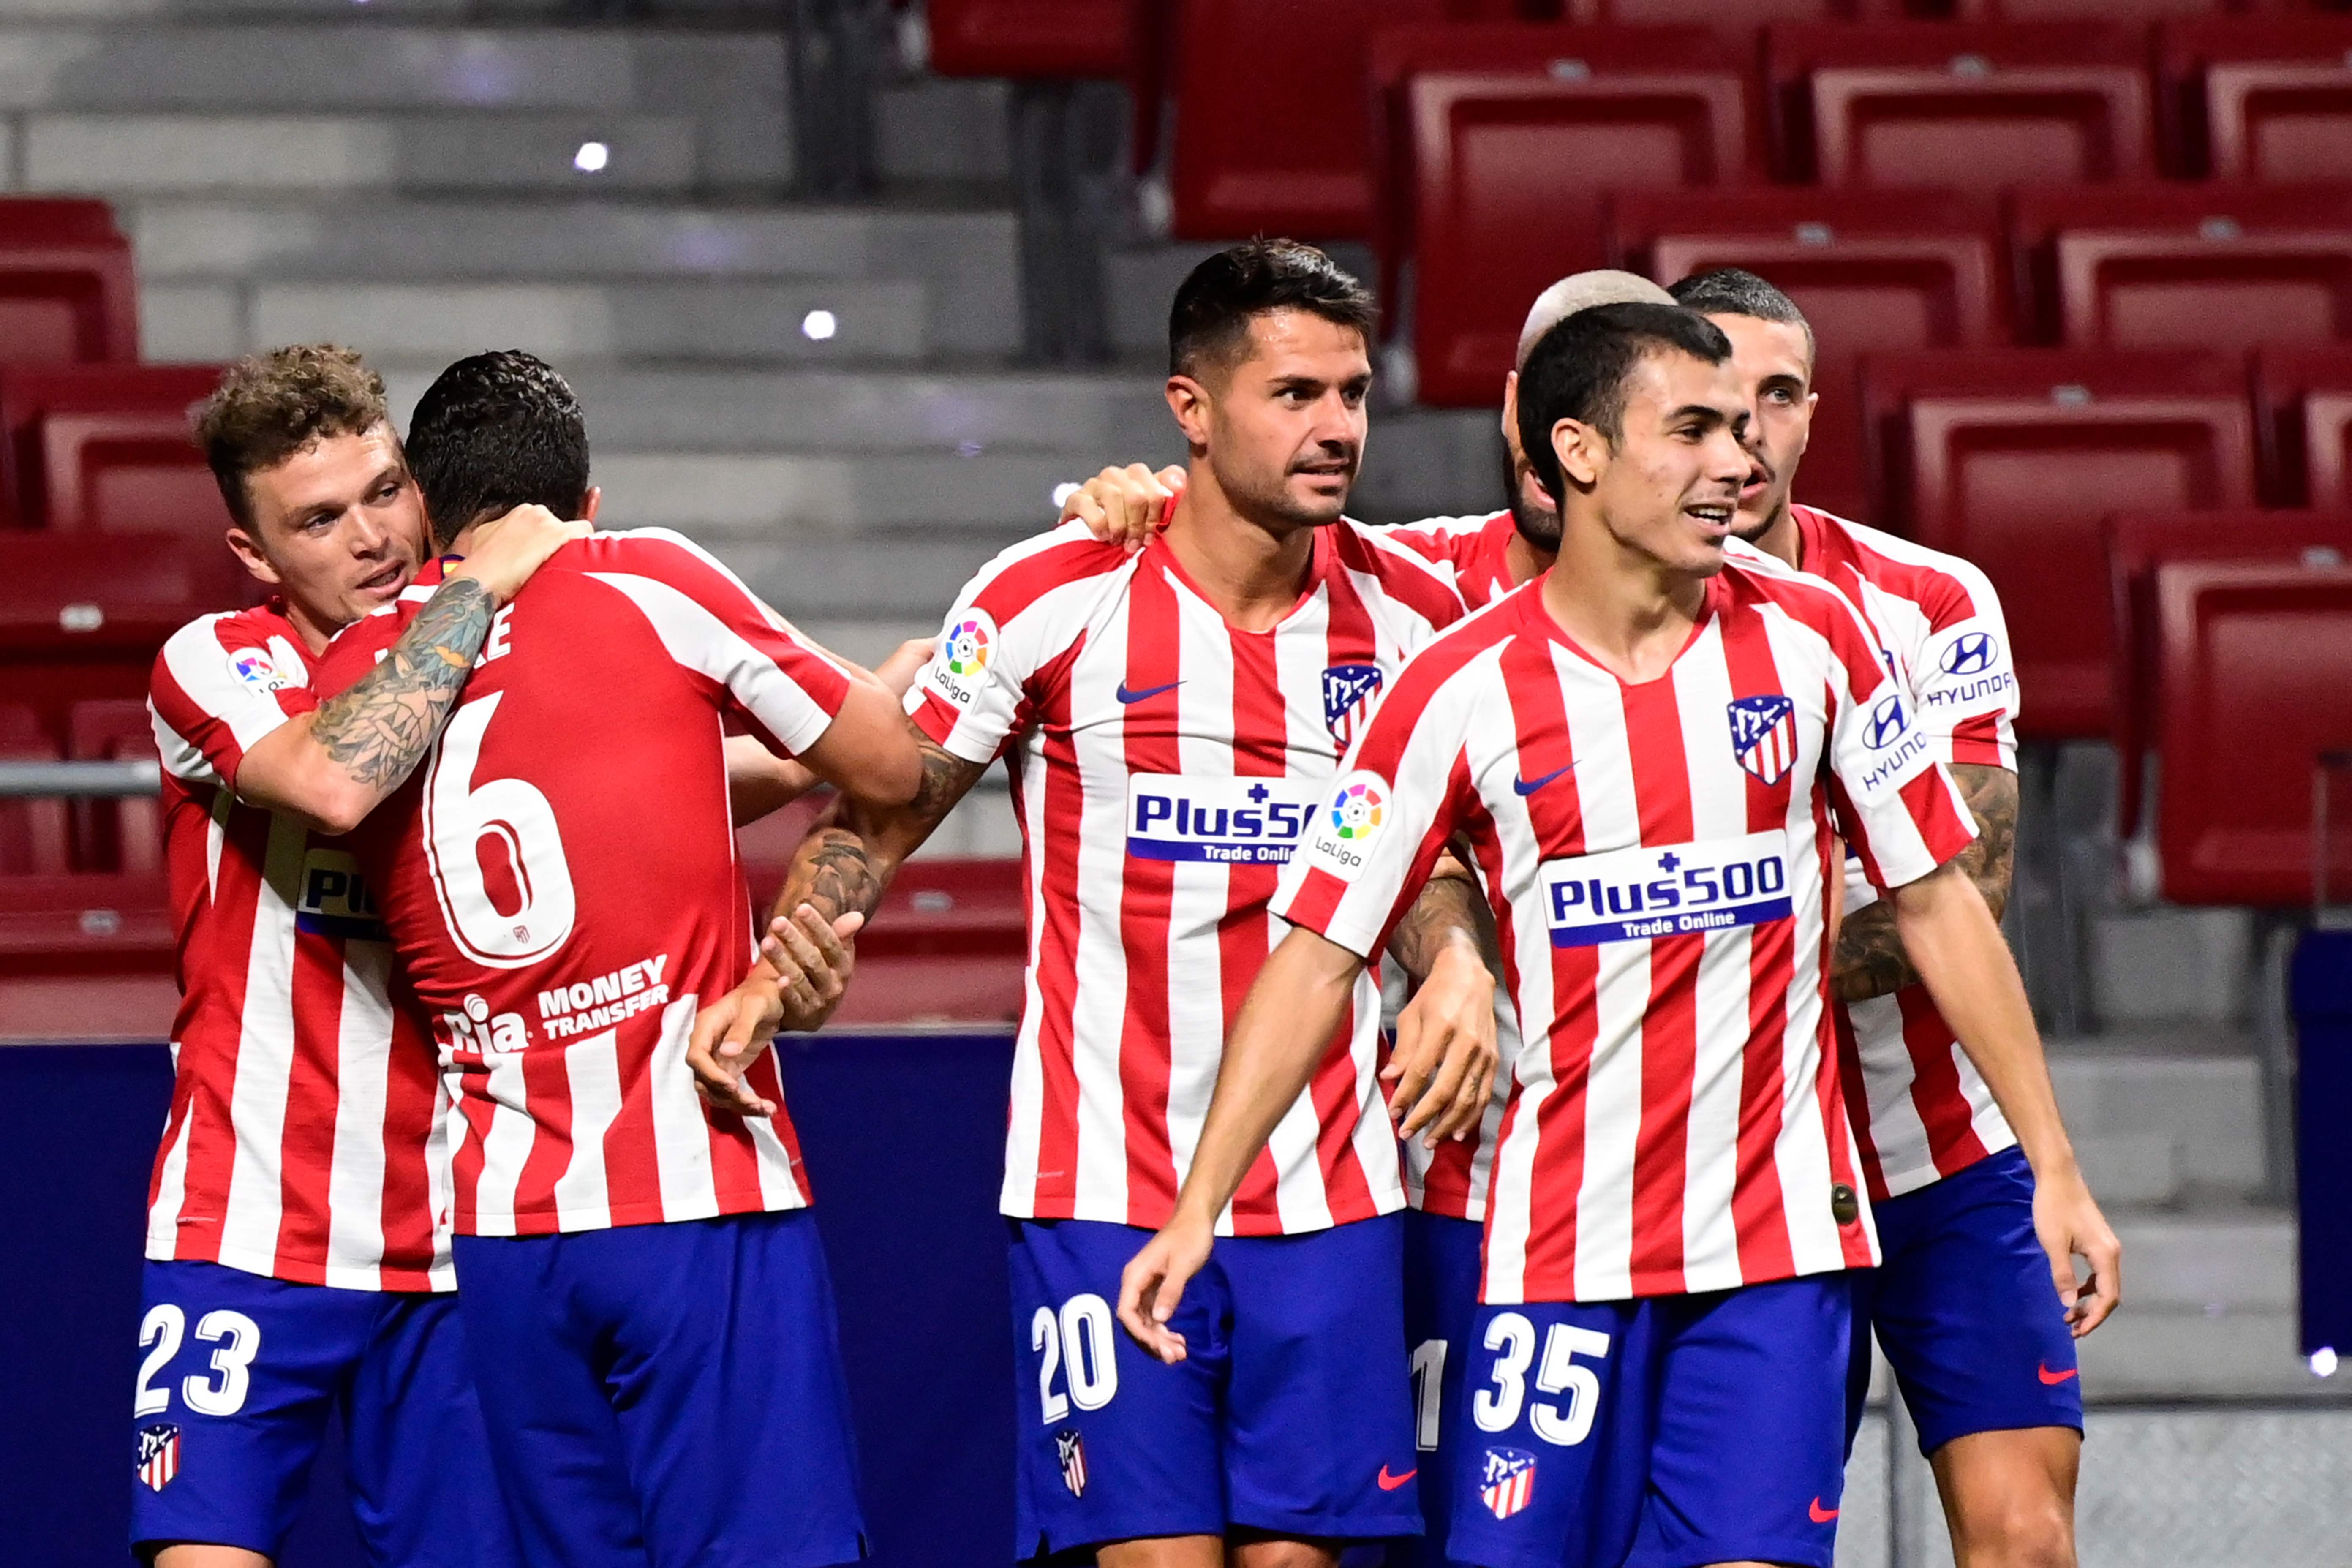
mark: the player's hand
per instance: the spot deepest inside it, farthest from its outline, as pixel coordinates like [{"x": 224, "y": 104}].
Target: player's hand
[
  {"x": 1123, "y": 506},
  {"x": 1441, "y": 1073},
  {"x": 899, "y": 672},
  {"x": 2068, "y": 1221},
  {"x": 812, "y": 961},
  {"x": 728, "y": 1036},
  {"x": 507, "y": 549},
  {"x": 1152, "y": 1284}
]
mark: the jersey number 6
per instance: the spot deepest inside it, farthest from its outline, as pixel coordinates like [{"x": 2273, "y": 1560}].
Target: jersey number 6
[{"x": 504, "y": 823}]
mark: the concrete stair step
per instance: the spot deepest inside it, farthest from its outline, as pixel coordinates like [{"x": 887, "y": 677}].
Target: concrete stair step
[
  {"x": 755, "y": 496},
  {"x": 2207, "y": 1260},
  {"x": 440, "y": 150},
  {"x": 908, "y": 578},
  {"x": 2170, "y": 964},
  {"x": 934, "y": 131},
  {"x": 2144, "y": 1353},
  {"x": 2149, "y": 1118}
]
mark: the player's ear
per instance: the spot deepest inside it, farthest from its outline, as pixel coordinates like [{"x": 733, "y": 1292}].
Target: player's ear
[
  {"x": 1582, "y": 451},
  {"x": 248, "y": 549},
  {"x": 1188, "y": 400},
  {"x": 1511, "y": 413},
  {"x": 589, "y": 502}
]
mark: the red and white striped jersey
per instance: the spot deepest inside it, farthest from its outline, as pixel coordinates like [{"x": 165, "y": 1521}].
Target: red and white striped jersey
[
  {"x": 1476, "y": 550},
  {"x": 1656, "y": 855},
  {"x": 307, "y": 1125},
  {"x": 560, "y": 883},
  {"x": 1925, "y": 1111},
  {"x": 1163, "y": 764}
]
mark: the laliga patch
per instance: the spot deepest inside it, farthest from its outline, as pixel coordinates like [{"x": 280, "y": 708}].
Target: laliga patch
[
  {"x": 256, "y": 669},
  {"x": 1070, "y": 1448},
  {"x": 1237, "y": 821},
  {"x": 960, "y": 665},
  {"x": 1345, "y": 827},
  {"x": 1507, "y": 1481},
  {"x": 1348, "y": 692},
  {"x": 159, "y": 1456},
  {"x": 1678, "y": 889},
  {"x": 1764, "y": 736}
]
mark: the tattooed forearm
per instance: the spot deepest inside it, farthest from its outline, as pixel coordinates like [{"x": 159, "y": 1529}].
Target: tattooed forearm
[
  {"x": 1870, "y": 960},
  {"x": 847, "y": 860},
  {"x": 379, "y": 728},
  {"x": 1447, "y": 908}
]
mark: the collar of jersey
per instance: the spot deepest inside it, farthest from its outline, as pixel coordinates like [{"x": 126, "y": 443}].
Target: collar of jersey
[
  {"x": 1534, "y": 613},
  {"x": 1158, "y": 552}
]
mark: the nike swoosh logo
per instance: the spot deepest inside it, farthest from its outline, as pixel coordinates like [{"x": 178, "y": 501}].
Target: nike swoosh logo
[
  {"x": 1127, "y": 696},
  {"x": 1390, "y": 1483},
  {"x": 1525, "y": 787},
  {"x": 1818, "y": 1514},
  {"x": 2052, "y": 1379}
]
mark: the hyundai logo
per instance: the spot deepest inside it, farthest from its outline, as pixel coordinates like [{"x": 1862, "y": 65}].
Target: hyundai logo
[
  {"x": 1887, "y": 722},
  {"x": 1969, "y": 654}
]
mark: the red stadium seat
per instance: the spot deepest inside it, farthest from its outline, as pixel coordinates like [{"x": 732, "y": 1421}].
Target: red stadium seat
[
  {"x": 1969, "y": 108},
  {"x": 63, "y": 925},
  {"x": 66, "y": 292},
  {"x": 1503, "y": 142},
  {"x": 78, "y": 595},
  {"x": 2257, "y": 662},
  {"x": 1032, "y": 37},
  {"x": 106, "y": 449},
  {"x": 2304, "y": 398},
  {"x": 1270, "y": 114},
  {"x": 2013, "y": 458},
  {"x": 2177, "y": 266},
  {"x": 33, "y": 841},
  {"x": 2086, "y": 10},
  {"x": 2260, "y": 98},
  {"x": 2137, "y": 542},
  {"x": 1873, "y": 270},
  {"x": 1742, "y": 16},
  {"x": 119, "y": 835}
]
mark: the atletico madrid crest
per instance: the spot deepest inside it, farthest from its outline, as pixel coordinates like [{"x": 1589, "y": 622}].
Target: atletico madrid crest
[
  {"x": 1764, "y": 736},
  {"x": 1349, "y": 692},
  {"x": 159, "y": 1456},
  {"x": 1509, "y": 1482},
  {"x": 1072, "y": 1450}
]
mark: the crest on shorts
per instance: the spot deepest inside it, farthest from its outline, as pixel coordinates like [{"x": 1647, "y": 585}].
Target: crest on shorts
[
  {"x": 1348, "y": 692},
  {"x": 1507, "y": 1483},
  {"x": 1764, "y": 736},
  {"x": 1071, "y": 1449},
  {"x": 159, "y": 1456}
]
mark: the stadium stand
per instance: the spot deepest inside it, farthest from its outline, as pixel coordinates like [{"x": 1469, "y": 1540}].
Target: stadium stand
[
  {"x": 33, "y": 837},
  {"x": 2260, "y": 98},
  {"x": 66, "y": 289},
  {"x": 1976, "y": 107},
  {"x": 1499, "y": 146},
  {"x": 1030, "y": 38},
  {"x": 2011, "y": 458},
  {"x": 1893, "y": 271},
  {"x": 2304, "y": 398},
  {"x": 2255, "y": 663},
  {"x": 125, "y": 836},
  {"x": 2138, "y": 544},
  {"x": 2185, "y": 265},
  {"x": 105, "y": 447}
]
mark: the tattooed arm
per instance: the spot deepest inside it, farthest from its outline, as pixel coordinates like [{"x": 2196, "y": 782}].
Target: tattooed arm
[
  {"x": 1870, "y": 960},
  {"x": 332, "y": 766},
  {"x": 847, "y": 860}
]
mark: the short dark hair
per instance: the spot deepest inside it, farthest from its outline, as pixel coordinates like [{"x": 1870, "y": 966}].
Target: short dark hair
[
  {"x": 1736, "y": 292},
  {"x": 1210, "y": 323},
  {"x": 496, "y": 431},
  {"x": 269, "y": 407},
  {"x": 1579, "y": 368}
]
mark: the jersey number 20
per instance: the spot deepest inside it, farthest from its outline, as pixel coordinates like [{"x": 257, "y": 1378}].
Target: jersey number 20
[{"x": 502, "y": 823}]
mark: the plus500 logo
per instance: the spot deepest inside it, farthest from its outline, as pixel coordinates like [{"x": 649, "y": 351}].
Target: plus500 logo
[
  {"x": 1240, "y": 821},
  {"x": 1635, "y": 895}
]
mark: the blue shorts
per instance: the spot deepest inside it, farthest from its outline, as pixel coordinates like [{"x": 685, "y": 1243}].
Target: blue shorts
[
  {"x": 1965, "y": 1310},
  {"x": 1290, "y": 1412},
  {"x": 1441, "y": 1297},
  {"x": 1655, "y": 1433},
  {"x": 236, "y": 1376},
  {"x": 663, "y": 1395}
]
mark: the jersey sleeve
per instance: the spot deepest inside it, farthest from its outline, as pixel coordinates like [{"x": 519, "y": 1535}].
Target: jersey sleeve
[
  {"x": 714, "y": 626},
  {"x": 219, "y": 686},
  {"x": 1398, "y": 798},
  {"x": 1020, "y": 614},
  {"x": 1965, "y": 680},
  {"x": 1896, "y": 807}
]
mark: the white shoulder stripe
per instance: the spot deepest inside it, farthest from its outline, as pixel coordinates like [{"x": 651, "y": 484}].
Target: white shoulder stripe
[{"x": 702, "y": 642}]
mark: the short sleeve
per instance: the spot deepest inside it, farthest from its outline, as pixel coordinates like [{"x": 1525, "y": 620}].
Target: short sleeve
[
  {"x": 1397, "y": 800},
  {"x": 1895, "y": 804},
  {"x": 1965, "y": 680},
  {"x": 1022, "y": 612},
  {"x": 220, "y": 685},
  {"x": 715, "y": 627}
]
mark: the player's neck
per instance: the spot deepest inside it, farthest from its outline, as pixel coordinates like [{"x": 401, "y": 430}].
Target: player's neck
[
  {"x": 1252, "y": 572},
  {"x": 316, "y": 631},
  {"x": 1784, "y": 541},
  {"x": 1523, "y": 561},
  {"x": 1631, "y": 613}
]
